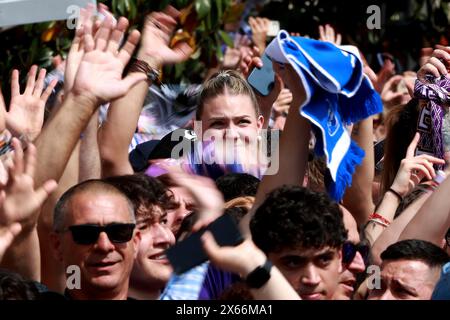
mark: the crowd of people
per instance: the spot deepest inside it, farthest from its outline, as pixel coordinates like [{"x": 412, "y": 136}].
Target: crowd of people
[{"x": 336, "y": 179}]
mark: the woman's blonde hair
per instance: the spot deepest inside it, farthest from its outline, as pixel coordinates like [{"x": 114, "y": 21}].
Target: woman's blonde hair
[{"x": 230, "y": 80}]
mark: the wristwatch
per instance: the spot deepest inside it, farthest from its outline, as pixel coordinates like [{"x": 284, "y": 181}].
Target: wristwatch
[{"x": 258, "y": 277}]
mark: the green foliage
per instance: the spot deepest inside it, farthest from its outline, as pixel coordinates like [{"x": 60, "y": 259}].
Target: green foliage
[{"x": 25, "y": 45}]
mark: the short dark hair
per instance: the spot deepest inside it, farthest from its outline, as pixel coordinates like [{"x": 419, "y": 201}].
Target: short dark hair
[
  {"x": 414, "y": 249},
  {"x": 14, "y": 287},
  {"x": 233, "y": 185},
  {"x": 92, "y": 185},
  {"x": 143, "y": 190},
  {"x": 293, "y": 217}
]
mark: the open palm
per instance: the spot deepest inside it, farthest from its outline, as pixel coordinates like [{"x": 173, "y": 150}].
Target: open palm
[
  {"x": 26, "y": 110},
  {"x": 99, "y": 76}
]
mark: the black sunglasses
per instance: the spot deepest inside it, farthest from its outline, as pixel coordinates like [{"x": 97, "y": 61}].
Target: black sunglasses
[
  {"x": 349, "y": 251},
  {"x": 88, "y": 233}
]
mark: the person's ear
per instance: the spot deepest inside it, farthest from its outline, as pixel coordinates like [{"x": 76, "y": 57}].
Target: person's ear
[
  {"x": 136, "y": 243},
  {"x": 55, "y": 244},
  {"x": 260, "y": 122}
]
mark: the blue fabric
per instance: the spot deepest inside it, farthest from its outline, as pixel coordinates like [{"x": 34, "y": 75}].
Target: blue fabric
[
  {"x": 337, "y": 93},
  {"x": 216, "y": 282},
  {"x": 185, "y": 286},
  {"x": 442, "y": 289}
]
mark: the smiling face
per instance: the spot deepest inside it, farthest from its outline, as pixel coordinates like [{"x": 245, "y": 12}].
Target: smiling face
[
  {"x": 313, "y": 273},
  {"x": 151, "y": 269},
  {"x": 105, "y": 266},
  {"x": 232, "y": 118},
  {"x": 406, "y": 280}
]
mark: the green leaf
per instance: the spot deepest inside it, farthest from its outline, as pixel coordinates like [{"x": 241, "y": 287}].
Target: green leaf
[
  {"x": 163, "y": 4},
  {"x": 226, "y": 38},
  {"x": 219, "y": 9},
  {"x": 219, "y": 53},
  {"x": 121, "y": 6},
  {"x": 202, "y": 7}
]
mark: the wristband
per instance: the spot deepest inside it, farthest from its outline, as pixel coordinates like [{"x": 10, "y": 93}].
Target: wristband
[{"x": 400, "y": 198}]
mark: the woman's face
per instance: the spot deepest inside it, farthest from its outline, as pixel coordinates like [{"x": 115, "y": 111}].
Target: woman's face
[{"x": 231, "y": 118}]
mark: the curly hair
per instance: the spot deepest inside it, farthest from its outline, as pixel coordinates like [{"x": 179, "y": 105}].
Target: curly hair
[
  {"x": 144, "y": 192},
  {"x": 293, "y": 217}
]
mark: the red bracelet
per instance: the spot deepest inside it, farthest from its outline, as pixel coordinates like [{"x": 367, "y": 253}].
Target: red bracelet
[{"x": 375, "y": 215}]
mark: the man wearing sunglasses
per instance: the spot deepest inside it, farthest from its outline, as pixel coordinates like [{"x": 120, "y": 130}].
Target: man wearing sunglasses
[
  {"x": 354, "y": 255},
  {"x": 94, "y": 229},
  {"x": 409, "y": 271}
]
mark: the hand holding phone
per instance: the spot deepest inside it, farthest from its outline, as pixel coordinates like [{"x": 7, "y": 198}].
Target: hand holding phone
[
  {"x": 263, "y": 79},
  {"x": 189, "y": 253}
]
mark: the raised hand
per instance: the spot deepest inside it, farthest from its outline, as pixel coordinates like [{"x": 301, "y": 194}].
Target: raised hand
[
  {"x": 283, "y": 102},
  {"x": 292, "y": 80},
  {"x": 413, "y": 169},
  {"x": 380, "y": 79},
  {"x": 19, "y": 199},
  {"x": 260, "y": 27},
  {"x": 241, "y": 259},
  {"x": 157, "y": 32},
  {"x": 233, "y": 56},
  {"x": 76, "y": 51},
  {"x": 208, "y": 198},
  {"x": 436, "y": 64},
  {"x": 99, "y": 76},
  {"x": 328, "y": 34},
  {"x": 26, "y": 110},
  {"x": 390, "y": 96}
]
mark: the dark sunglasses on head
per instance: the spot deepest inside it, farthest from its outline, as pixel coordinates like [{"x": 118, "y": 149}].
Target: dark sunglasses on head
[
  {"x": 349, "y": 251},
  {"x": 89, "y": 233}
]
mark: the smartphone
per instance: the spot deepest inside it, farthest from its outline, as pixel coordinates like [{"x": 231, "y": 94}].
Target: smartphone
[
  {"x": 263, "y": 79},
  {"x": 189, "y": 253},
  {"x": 274, "y": 28}
]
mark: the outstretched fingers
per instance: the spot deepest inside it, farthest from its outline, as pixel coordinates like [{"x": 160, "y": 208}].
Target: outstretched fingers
[{"x": 128, "y": 48}]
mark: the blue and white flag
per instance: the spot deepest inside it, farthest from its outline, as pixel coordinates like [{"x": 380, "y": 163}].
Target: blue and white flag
[{"x": 337, "y": 93}]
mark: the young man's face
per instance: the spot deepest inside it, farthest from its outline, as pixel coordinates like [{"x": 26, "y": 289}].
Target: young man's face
[
  {"x": 312, "y": 272},
  {"x": 405, "y": 280},
  {"x": 151, "y": 268}
]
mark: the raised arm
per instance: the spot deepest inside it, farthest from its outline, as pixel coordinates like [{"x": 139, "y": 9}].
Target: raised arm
[
  {"x": 292, "y": 156},
  {"x": 358, "y": 198},
  {"x": 98, "y": 80},
  {"x": 433, "y": 219},
  {"x": 123, "y": 114},
  {"x": 20, "y": 202},
  {"x": 412, "y": 170},
  {"x": 25, "y": 114},
  {"x": 392, "y": 233}
]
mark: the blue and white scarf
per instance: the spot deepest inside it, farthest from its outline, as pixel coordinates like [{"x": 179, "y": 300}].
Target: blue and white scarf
[{"x": 337, "y": 93}]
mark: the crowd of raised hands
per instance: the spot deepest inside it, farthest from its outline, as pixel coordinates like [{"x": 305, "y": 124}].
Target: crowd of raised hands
[{"x": 40, "y": 161}]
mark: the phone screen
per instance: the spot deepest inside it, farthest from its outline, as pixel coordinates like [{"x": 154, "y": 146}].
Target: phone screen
[
  {"x": 262, "y": 80},
  {"x": 189, "y": 253}
]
